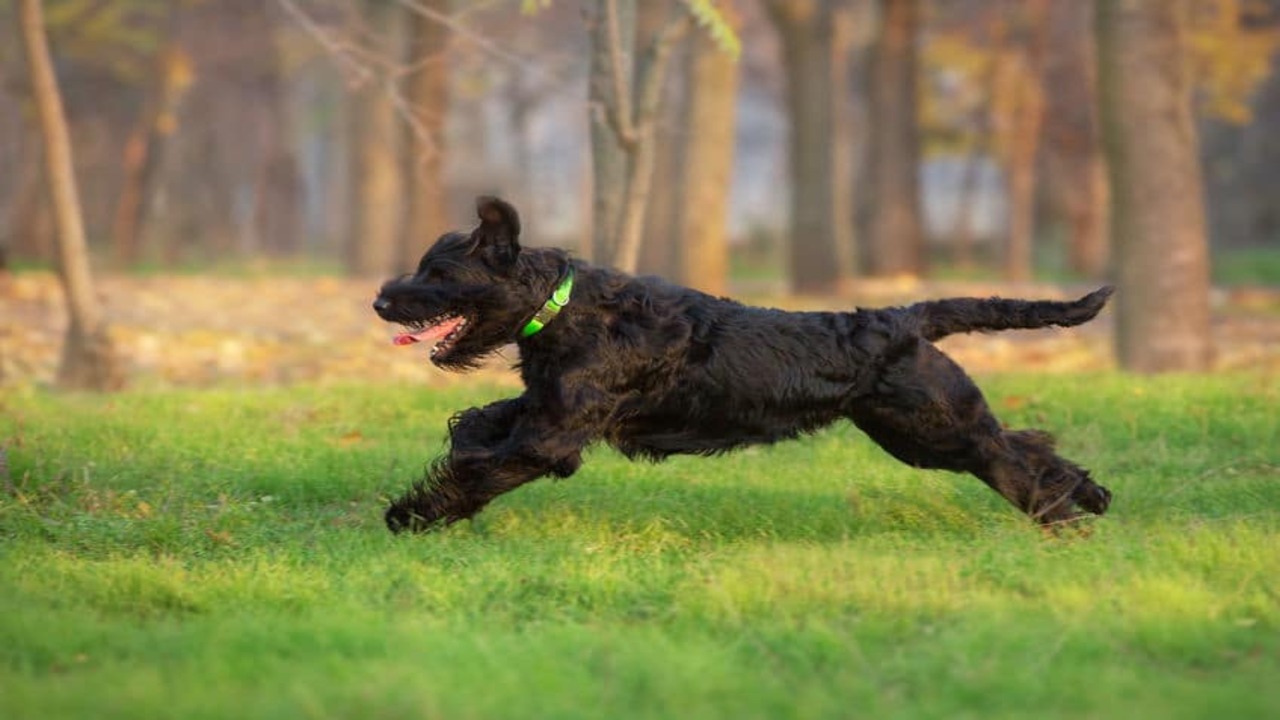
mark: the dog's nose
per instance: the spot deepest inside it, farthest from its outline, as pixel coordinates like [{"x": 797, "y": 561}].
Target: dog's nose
[{"x": 381, "y": 303}]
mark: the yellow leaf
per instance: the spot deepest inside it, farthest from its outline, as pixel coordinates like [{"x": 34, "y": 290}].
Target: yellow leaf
[
  {"x": 351, "y": 438},
  {"x": 221, "y": 537}
]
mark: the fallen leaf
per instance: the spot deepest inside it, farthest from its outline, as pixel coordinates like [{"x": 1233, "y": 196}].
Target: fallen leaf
[
  {"x": 353, "y": 437},
  {"x": 220, "y": 537}
]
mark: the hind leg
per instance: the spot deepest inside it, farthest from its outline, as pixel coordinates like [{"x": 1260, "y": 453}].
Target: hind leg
[{"x": 925, "y": 411}]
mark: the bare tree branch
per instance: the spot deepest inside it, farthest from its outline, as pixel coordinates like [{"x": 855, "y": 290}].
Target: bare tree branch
[
  {"x": 619, "y": 111},
  {"x": 359, "y": 72},
  {"x": 362, "y": 72},
  {"x": 480, "y": 41},
  {"x": 652, "y": 74},
  {"x": 653, "y": 71}
]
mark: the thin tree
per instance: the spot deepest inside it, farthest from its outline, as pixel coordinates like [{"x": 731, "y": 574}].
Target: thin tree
[
  {"x": 278, "y": 191},
  {"x": 89, "y": 360},
  {"x": 1021, "y": 82},
  {"x": 377, "y": 183},
  {"x": 805, "y": 28},
  {"x": 896, "y": 236},
  {"x": 624, "y": 110},
  {"x": 660, "y": 245},
  {"x": 709, "y": 122},
  {"x": 610, "y": 47},
  {"x": 1157, "y": 205},
  {"x": 1075, "y": 168},
  {"x": 982, "y": 122},
  {"x": 427, "y": 94},
  {"x": 171, "y": 75}
]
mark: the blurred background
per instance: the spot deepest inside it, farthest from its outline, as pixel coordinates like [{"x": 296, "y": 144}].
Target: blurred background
[{"x": 249, "y": 170}]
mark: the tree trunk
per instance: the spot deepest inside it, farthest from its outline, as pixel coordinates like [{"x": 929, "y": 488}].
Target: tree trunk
[
  {"x": 896, "y": 242},
  {"x": 278, "y": 202},
  {"x": 610, "y": 161},
  {"x": 1088, "y": 216},
  {"x": 1076, "y": 172},
  {"x": 1024, "y": 66},
  {"x": 643, "y": 149},
  {"x": 805, "y": 29},
  {"x": 427, "y": 91},
  {"x": 629, "y": 111},
  {"x": 844, "y": 136},
  {"x": 88, "y": 358},
  {"x": 1157, "y": 210},
  {"x": 710, "y": 116},
  {"x": 278, "y": 191},
  {"x": 659, "y": 249},
  {"x": 142, "y": 151},
  {"x": 377, "y": 186}
]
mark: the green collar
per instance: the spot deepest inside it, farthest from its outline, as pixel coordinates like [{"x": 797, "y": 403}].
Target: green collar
[{"x": 559, "y": 298}]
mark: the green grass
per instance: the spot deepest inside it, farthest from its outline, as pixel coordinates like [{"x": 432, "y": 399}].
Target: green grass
[
  {"x": 1258, "y": 266},
  {"x": 221, "y": 554},
  {"x": 1252, "y": 266}
]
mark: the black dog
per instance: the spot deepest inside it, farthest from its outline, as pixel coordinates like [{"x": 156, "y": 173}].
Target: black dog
[{"x": 655, "y": 369}]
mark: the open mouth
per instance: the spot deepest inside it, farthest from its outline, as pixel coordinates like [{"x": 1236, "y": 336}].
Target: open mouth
[{"x": 444, "y": 331}]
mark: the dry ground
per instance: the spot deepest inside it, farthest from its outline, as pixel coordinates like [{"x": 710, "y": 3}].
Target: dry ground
[{"x": 204, "y": 330}]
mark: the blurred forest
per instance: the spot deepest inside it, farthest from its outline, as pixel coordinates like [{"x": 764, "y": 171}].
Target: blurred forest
[{"x": 802, "y": 149}]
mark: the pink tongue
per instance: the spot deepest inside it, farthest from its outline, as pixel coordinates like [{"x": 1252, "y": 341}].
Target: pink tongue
[{"x": 435, "y": 332}]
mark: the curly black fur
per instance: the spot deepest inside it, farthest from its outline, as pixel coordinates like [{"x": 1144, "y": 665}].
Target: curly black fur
[{"x": 655, "y": 369}]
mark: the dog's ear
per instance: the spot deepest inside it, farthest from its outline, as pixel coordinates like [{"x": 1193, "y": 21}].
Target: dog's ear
[{"x": 497, "y": 240}]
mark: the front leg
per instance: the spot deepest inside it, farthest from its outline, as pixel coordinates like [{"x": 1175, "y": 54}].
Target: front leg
[{"x": 492, "y": 450}]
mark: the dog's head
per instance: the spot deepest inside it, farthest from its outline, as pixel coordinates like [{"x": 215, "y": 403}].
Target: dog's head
[{"x": 467, "y": 296}]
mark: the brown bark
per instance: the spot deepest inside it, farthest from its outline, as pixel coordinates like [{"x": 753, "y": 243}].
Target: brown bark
[
  {"x": 277, "y": 217},
  {"x": 643, "y": 148},
  {"x": 142, "y": 151},
  {"x": 609, "y": 156},
  {"x": 659, "y": 248},
  {"x": 277, "y": 209},
  {"x": 88, "y": 359},
  {"x": 427, "y": 92},
  {"x": 1157, "y": 211},
  {"x": 1024, "y": 77},
  {"x": 1076, "y": 172},
  {"x": 971, "y": 177},
  {"x": 896, "y": 235},
  {"x": 805, "y": 29},
  {"x": 377, "y": 185},
  {"x": 710, "y": 116},
  {"x": 844, "y": 136},
  {"x": 629, "y": 109}
]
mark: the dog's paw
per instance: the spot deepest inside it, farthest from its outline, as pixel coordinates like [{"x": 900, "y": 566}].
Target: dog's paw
[
  {"x": 401, "y": 517},
  {"x": 1095, "y": 499}
]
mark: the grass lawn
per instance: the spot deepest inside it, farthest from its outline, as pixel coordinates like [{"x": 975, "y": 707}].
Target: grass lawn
[{"x": 221, "y": 554}]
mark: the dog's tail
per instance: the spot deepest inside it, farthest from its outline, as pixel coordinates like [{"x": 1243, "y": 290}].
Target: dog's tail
[{"x": 940, "y": 318}]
